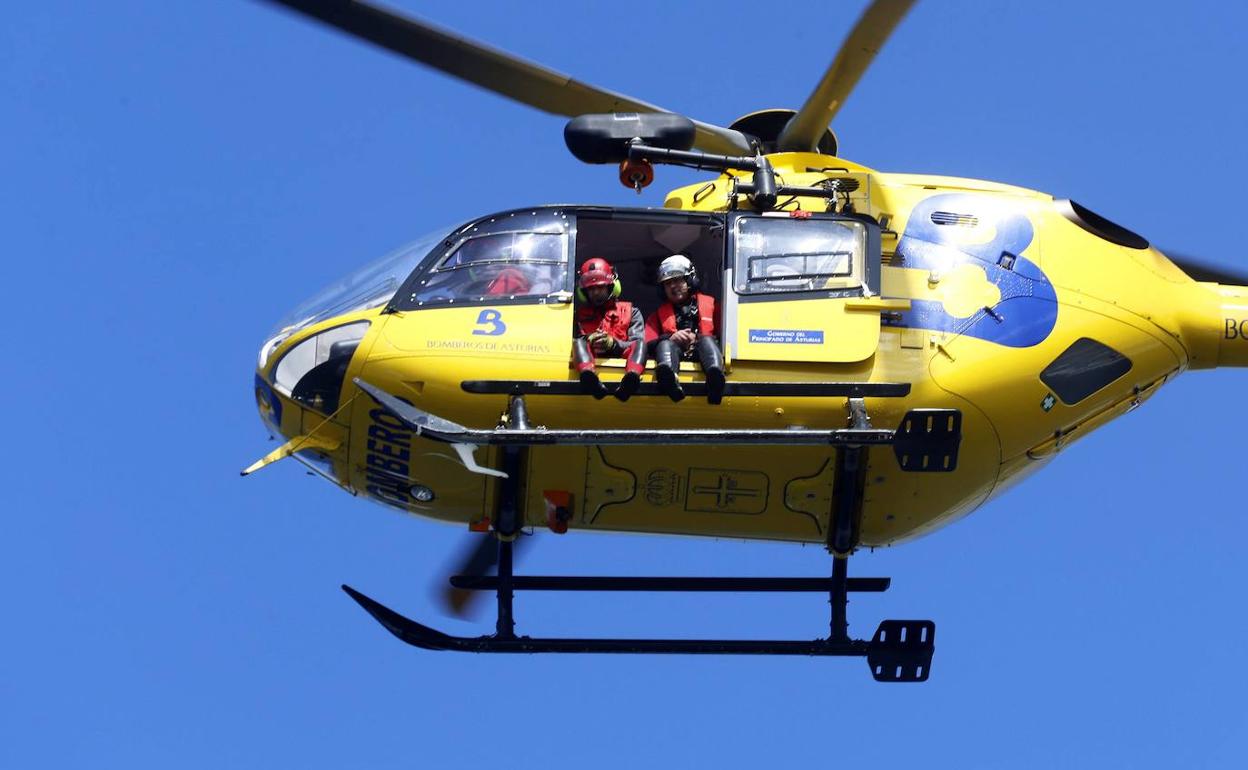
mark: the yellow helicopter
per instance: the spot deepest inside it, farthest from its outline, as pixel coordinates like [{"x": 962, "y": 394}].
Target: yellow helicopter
[{"x": 899, "y": 350}]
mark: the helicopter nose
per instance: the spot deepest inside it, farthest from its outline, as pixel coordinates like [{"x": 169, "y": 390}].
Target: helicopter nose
[
  {"x": 269, "y": 406},
  {"x": 308, "y": 370}
]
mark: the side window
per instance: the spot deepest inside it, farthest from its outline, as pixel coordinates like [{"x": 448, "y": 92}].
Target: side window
[
  {"x": 1084, "y": 368},
  {"x": 312, "y": 371},
  {"x": 794, "y": 255},
  {"x": 495, "y": 266}
]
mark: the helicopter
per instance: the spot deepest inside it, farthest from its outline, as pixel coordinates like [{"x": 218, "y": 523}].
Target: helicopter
[{"x": 900, "y": 349}]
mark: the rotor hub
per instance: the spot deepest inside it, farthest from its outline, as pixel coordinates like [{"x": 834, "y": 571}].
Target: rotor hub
[{"x": 766, "y": 125}]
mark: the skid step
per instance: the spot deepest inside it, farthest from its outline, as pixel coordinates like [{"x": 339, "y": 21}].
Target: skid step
[
  {"x": 927, "y": 440},
  {"x": 901, "y": 650}
]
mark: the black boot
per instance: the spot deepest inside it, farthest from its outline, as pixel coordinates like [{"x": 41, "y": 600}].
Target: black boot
[
  {"x": 712, "y": 361},
  {"x": 583, "y": 361},
  {"x": 666, "y": 366},
  {"x": 635, "y": 356},
  {"x": 592, "y": 385}
]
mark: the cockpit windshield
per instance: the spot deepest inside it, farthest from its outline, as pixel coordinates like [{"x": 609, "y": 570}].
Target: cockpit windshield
[
  {"x": 515, "y": 256},
  {"x": 371, "y": 286}
]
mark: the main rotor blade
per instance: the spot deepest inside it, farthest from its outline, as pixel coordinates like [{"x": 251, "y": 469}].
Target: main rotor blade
[
  {"x": 1199, "y": 270},
  {"x": 492, "y": 69},
  {"x": 803, "y": 131}
]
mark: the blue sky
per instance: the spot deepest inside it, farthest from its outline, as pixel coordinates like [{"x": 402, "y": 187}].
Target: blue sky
[{"x": 178, "y": 175}]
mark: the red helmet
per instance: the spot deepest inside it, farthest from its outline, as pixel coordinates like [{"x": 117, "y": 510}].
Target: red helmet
[{"x": 596, "y": 272}]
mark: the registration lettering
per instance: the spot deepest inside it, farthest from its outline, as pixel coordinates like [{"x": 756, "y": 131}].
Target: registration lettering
[
  {"x": 1236, "y": 329},
  {"x": 387, "y": 462}
]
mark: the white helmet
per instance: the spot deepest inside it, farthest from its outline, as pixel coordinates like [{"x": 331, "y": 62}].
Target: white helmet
[{"x": 676, "y": 266}]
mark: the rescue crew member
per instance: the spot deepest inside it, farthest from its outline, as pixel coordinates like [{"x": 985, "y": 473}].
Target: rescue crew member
[
  {"x": 606, "y": 326},
  {"x": 684, "y": 327}
]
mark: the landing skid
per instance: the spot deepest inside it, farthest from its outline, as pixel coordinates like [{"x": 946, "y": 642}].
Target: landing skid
[{"x": 899, "y": 651}]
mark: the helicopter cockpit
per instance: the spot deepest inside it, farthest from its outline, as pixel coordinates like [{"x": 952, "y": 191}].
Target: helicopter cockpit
[
  {"x": 786, "y": 284},
  {"x": 752, "y": 263},
  {"x": 514, "y": 256},
  {"x": 311, "y": 372}
]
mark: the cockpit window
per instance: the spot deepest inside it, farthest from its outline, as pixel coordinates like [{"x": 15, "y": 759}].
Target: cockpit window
[
  {"x": 794, "y": 255},
  {"x": 513, "y": 256},
  {"x": 313, "y": 371},
  {"x": 795, "y": 269},
  {"x": 546, "y": 248},
  {"x": 371, "y": 286},
  {"x": 500, "y": 266}
]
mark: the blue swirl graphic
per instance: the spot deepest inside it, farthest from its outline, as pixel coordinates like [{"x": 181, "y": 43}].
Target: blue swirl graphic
[{"x": 1027, "y": 310}]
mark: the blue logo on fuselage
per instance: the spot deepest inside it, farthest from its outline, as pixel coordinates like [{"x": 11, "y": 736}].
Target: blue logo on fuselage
[
  {"x": 1027, "y": 310},
  {"x": 493, "y": 321}
]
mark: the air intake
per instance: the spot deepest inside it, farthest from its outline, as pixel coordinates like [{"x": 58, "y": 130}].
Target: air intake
[{"x": 953, "y": 219}]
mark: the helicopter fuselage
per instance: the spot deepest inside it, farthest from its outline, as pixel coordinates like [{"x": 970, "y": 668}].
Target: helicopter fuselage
[{"x": 1036, "y": 319}]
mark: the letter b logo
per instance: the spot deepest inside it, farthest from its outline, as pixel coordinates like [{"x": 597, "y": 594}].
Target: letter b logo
[{"x": 492, "y": 319}]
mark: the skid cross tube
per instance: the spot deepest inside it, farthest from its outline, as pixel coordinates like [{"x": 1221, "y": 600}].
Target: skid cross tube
[
  {"x": 849, "y": 486},
  {"x": 507, "y": 525},
  {"x": 662, "y": 584}
]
